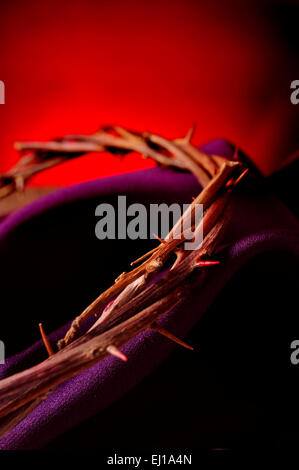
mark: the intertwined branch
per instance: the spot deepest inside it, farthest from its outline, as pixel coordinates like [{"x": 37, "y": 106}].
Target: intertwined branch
[
  {"x": 132, "y": 304},
  {"x": 39, "y": 156}
]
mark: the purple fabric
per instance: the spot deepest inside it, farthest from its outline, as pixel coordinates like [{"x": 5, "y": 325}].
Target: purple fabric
[{"x": 260, "y": 223}]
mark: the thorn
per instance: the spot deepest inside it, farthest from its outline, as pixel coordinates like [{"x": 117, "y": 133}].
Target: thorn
[
  {"x": 170, "y": 336},
  {"x": 200, "y": 263},
  {"x": 190, "y": 134},
  {"x": 45, "y": 340},
  {"x": 114, "y": 351},
  {"x": 158, "y": 238},
  {"x": 241, "y": 177},
  {"x": 232, "y": 183},
  {"x": 187, "y": 139},
  {"x": 143, "y": 256}
]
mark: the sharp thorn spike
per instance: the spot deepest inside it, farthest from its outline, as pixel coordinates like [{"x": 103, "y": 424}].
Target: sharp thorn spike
[
  {"x": 172, "y": 337},
  {"x": 114, "y": 351},
  {"x": 232, "y": 183},
  {"x": 241, "y": 176},
  {"x": 158, "y": 238},
  {"x": 190, "y": 133},
  {"x": 202, "y": 264},
  {"x": 45, "y": 340},
  {"x": 146, "y": 255}
]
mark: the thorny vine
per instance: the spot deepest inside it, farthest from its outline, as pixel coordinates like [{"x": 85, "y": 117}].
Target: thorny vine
[{"x": 132, "y": 304}]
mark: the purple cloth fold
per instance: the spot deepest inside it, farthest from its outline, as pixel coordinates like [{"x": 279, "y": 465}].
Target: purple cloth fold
[{"x": 260, "y": 223}]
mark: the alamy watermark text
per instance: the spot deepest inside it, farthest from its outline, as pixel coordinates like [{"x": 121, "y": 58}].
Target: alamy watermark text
[{"x": 136, "y": 221}]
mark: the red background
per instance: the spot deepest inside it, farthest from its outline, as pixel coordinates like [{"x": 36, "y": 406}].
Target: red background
[{"x": 70, "y": 66}]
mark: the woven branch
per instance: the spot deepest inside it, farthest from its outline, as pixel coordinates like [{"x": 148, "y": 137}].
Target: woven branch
[
  {"x": 40, "y": 156},
  {"x": 132, "y": 304}
]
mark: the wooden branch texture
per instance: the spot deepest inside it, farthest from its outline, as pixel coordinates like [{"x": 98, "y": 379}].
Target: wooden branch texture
[{"x": 132, "y": 304}]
